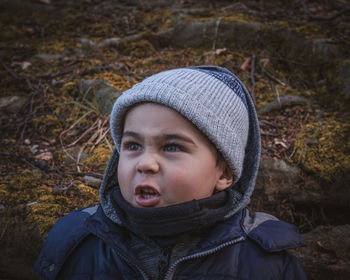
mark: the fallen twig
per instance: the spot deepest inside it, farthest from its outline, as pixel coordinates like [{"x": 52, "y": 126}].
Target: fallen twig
[
  {"x": 282, "y": 102},
  {"x": 99, "y": 133},
  {"x": 88, "y": 44},
  {"x": 263, "y": 133},
  {"x": 245, "y": 64},
  {"x": 36, "y": 90},
  {"x": 252, "y": 78},
  {"x": 13, "y": 74},
  {"x": 84, "y": 133},
  {"x": 217, "y": 24},
  {"x": 267, "y": 123},
  {"x": 326, "y": 18},
  {"x": 34, "y": 166},
  {"x": 267, "y": 74},
  {"x": 293, "y": 61}
]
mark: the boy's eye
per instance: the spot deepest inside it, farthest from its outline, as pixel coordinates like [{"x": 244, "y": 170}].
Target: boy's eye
[
  {"x": 131, "y": 146},
  {"x": 172, "y": 148}
]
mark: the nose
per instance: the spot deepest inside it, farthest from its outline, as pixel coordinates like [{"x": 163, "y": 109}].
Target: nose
[{"x": 147, "y": 163}]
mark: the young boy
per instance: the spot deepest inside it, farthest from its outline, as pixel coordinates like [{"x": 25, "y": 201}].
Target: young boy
[{"x": 174, "y": 192}]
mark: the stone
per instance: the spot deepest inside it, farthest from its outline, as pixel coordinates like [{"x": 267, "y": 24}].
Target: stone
[
  {"x": 104, "y": 93},
  {"x": 344, "y": 74},
  {"x": 47, "y": 57},
  {"x": 71, "y": 155},
  {"x": 277, "y": 177},
  {"x": 324, "y": 48},
  {"x": 12, "y": 104},
  {"x": 20, "y": 245},
  {"x": 155, "y": 3},
  {"x": 218, "y": 31},
  {"x": 327, "y": 255},
  {"x": 92, "y": 181},
  {"x": 337, "y": 193}
]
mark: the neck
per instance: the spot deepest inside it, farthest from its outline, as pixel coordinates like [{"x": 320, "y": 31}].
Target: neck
[{"x": 175, "y": 219}]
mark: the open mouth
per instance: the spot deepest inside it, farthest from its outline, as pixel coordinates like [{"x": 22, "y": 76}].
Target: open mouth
[{"x": 146, "y": 196}]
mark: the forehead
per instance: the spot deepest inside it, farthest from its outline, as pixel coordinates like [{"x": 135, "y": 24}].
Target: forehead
[{"x": 156, "y": 118}]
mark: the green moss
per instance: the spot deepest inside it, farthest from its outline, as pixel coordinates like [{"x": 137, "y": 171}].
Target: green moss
[
  {"x": 240, "y": 17},
  {"x": 99, "y": 157},
  {"x": 323, "y": 147},
  {"x": 310, "y": 31},
  {"x": 139, "y": 49},
  {"x": 43, "y": 204},
  {"x": 115, "y": 79},
  {"x": 48, "y": 125},
  {"x": 162, "y": 18}
]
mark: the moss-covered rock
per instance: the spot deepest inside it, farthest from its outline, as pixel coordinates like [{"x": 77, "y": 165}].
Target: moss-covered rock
[
  {"x": 40, "y": 201},
  {"x": 323, "y": 147}
]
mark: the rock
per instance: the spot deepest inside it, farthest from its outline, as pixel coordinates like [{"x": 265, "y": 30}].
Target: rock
[
  {"x": 338, "y": 193},
  {"x": 310, "y": 192},
  {"x": 155, "y": 3},
  {"x": 46, "y": 156},
  {"x": 20, "y": 245},
  {"x": 104, "y": 93},
  {"x": 327, "y": 255},
  {"x": 220, "y": 31},
  {"x": 46, "y": 57},
  {"x": 34, "y": 149},
  {"x": 92, "y": 181},
  {"x": 278, "y": 180},
  {"x": 25, "y": 65},
  {"x": 344, "y": 74},
  {"x": 324, "y": 48},
  {"x": 73, "y": 152},
  {"x": 12, "y": 104},
  {"x": 30, "y": 6},
  {"x": 277, "y": 177}
]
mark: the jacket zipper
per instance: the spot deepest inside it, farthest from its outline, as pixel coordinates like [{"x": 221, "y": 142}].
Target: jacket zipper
[
  {"x": 144, "y": 275},
  {"x": 171, "y": 269}
]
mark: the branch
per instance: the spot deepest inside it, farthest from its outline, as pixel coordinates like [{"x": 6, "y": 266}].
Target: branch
[
  {"x": 329, "y": 18},
  {"x": 115, "y": 42},
  {"x": 252, "y": 69},
  {"x": 284, "y": 101}
]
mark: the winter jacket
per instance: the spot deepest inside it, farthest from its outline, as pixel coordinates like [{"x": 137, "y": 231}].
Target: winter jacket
[
  {"x": 93, "y": 243},
  {"x": 87, "y": 245}
]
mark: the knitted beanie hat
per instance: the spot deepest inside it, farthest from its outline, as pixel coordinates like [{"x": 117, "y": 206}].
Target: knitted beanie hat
[{"x": 212, "y": 98}]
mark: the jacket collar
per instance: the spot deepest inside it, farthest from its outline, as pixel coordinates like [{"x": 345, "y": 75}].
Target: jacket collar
[{"x": 265, "y": 230}]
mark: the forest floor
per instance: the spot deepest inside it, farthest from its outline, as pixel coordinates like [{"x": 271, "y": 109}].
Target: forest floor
[{"x": 54, "y": 134}]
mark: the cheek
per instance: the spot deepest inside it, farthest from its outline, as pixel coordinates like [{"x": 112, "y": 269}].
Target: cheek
[{"x": 123, "y": 177}]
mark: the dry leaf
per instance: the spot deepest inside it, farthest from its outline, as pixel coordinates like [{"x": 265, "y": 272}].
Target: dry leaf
[
  {"x": 245, "y": 64},
  {"x": 220, "y": 51},
  {"x": 47, "y": 156}
]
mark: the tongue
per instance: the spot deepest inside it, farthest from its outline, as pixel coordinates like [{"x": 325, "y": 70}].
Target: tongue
[{"x": 147, "y": 199}]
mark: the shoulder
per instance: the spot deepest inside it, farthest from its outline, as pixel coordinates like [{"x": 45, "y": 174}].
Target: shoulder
[
  {"x": 65, "y": 235},
  {"x": 270, "y": 233},
  {"x": 265, "y": 252}
]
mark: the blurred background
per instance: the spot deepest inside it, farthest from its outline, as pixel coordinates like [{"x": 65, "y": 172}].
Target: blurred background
[{"x": 64, "y": 62}]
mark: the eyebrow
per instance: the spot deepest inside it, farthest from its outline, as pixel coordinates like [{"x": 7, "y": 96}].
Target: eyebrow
[{"x": 170, "y": 136}]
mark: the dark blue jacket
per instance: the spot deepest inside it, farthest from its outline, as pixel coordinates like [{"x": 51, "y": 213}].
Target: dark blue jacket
[{"x": 87, "y": 245}]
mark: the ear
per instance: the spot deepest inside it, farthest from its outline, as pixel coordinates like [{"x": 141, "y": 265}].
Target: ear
[{"x": 225, "y": 180}]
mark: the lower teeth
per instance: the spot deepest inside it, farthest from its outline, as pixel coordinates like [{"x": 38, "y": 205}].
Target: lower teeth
[{"x": 147, "y": 196}]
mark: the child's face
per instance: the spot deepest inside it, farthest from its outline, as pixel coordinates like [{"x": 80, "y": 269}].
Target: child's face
[{"x": 165, "y": 159}]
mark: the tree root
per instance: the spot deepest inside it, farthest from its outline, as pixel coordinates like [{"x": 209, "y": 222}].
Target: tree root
[
  {"x": 345, "y": 9},
  {"x": 284, "y": 101},
  {"x": 88, "y": 44}
]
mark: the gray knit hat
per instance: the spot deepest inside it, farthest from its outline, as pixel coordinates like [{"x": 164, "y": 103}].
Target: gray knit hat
[
  {"x": 217, "y": 103},
  {"x": 213, "y": 101}
]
